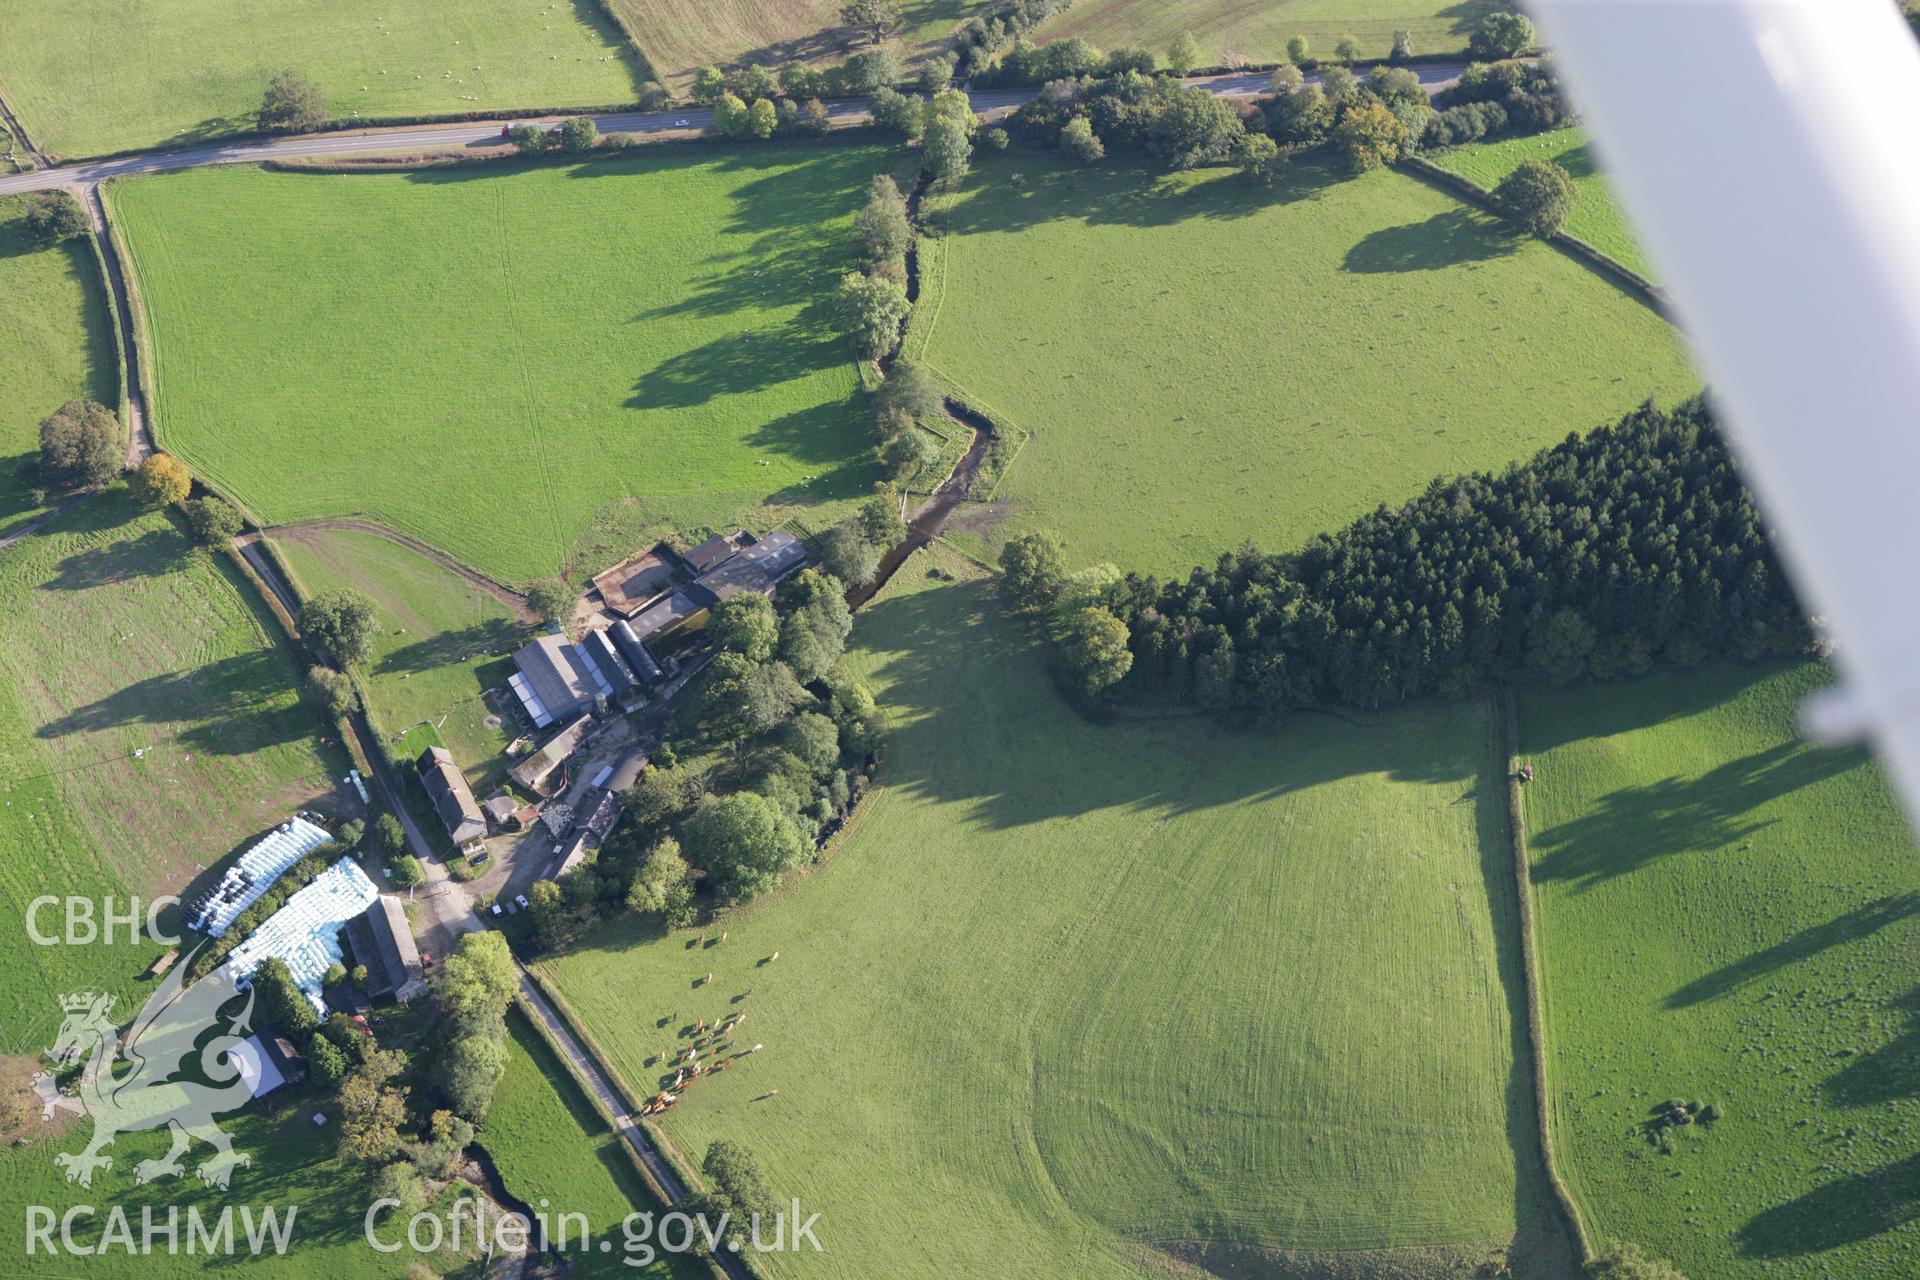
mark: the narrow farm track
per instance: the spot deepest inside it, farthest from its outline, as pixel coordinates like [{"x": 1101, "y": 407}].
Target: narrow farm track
[
  {"x": 139, "y": 436},
  {"x": 599, "y": 1082},
  {"x": 300, "y": 529}
]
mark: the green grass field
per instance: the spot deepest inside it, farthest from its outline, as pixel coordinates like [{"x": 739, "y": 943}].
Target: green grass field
[
  {"x": 556, "y": 1153},
  {"x": 678, "y": 39},
  {"x": 1232, "y": 30},
  {"x": 122, "y": 638},
  {"x": 294, "y": 1166},
  {"x": 1728, "y": 916},
  {"x": 1202, "y": 362},
  {"x": 148, "y": 727},
  {"x": 90, "y": 77},
  {"x": 56, "y": 344},
  {"x": 1597, "y": 216},
  {"x": 487, "y": 359},
  {"x": 1070, "y": 992},
  {"x": 443, "y": 640}
]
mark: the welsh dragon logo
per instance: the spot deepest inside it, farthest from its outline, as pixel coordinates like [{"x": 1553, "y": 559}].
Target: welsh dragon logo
[{"x": 176, "y": 1076}]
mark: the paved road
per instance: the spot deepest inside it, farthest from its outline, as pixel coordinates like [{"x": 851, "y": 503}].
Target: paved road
[
  {"x": 446, "y": 909},
  {"x": 587, "y": 1069},
  {"x": 477, "y": 136}
]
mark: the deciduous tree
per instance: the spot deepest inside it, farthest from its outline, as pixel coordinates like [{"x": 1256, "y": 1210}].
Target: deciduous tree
[
  {"x": 341, "y": 623},
  {"x": 1369, "y": 136},
  {"x": 292, "y": 102},
  {"x": 1033, "y": 565},
  {"x": 81, "y": 445},
  {"x": 877, "y": 16},
  {"x": 160, "y": 481},
  {"x": 53, "y": 216},
  {"x": 333, "y": 691},
  {"x": 1183, "y": 55},
  {"x": 214, "y": 521},
  {"x": 1535, "y": 198},
  {"x": 1079, "y": 140},
  {"x": 1500, "y": 35},
  {"x": 871, "y": 311}
]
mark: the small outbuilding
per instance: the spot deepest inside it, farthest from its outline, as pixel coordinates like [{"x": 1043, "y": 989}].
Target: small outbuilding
[{"x": 536, "y": 772}]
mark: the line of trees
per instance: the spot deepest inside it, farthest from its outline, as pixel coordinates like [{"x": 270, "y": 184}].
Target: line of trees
[
  {"x": 1100, "y": 102},
  {"x": 1599, "y": 557}
]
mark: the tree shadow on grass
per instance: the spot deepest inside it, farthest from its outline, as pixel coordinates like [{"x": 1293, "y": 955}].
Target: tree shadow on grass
[
  {"x": 821, "y": 434},
  {"x": 1578, "y": 161},
  {"x": 1889, "y": 1073},
  {"x": 1449, "y": 239},
  {"x": 153, "y": 554},
  {"x": 1634, "y": 827},
  {"x": 1843, "y": 1212},
  {"x": 462, "y": 644},
  {"x": 739, "y": 362},
  {"x": 977, "y": 719},
  {"x": 235, "y": 706},
  {"x": 1127, "y": 193},
  {"x": 1863, "y": 921}
]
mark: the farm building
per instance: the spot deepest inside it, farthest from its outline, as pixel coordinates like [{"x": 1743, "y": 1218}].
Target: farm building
[
  {"x": 305, "y": 933},
  {"x": 639, "y": 661},
  {"x": 600, "y": 649},
  {"x": 633, "y": 584},
  {"x": 537, "y": 770},
  {"x": 710, "y": 554},
  {"x": 757, "y": 568},
  {"x": 452, "y": 797},
  {"x": 382, "y": 941},
  {"x": 684, "y": 609},
  {"x": 253, "y": 874},
  {"x": 554, "y": 679},
  {"x": 268, "y": 1060}
]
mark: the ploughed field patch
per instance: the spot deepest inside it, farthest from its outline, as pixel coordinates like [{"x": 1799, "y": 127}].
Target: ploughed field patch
[
  {"x": 1202, "y": 362},
  {"x": 1728, "y": 919},
  {"x": 1230, "y": 31},
  {"x": 679, "y": 39},
  {"x": 91, "y": 77},
  {"x": 489, "y": 360},
  {"x": 1069, "y": 991}
]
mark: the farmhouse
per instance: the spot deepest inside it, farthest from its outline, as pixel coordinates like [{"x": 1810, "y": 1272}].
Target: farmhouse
[
  {"x": 536, "y": 771},
  {"x": 555, "y": 680},
  {"x": 452, "y": 798},
  {"x": 383, "y": 943}
]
